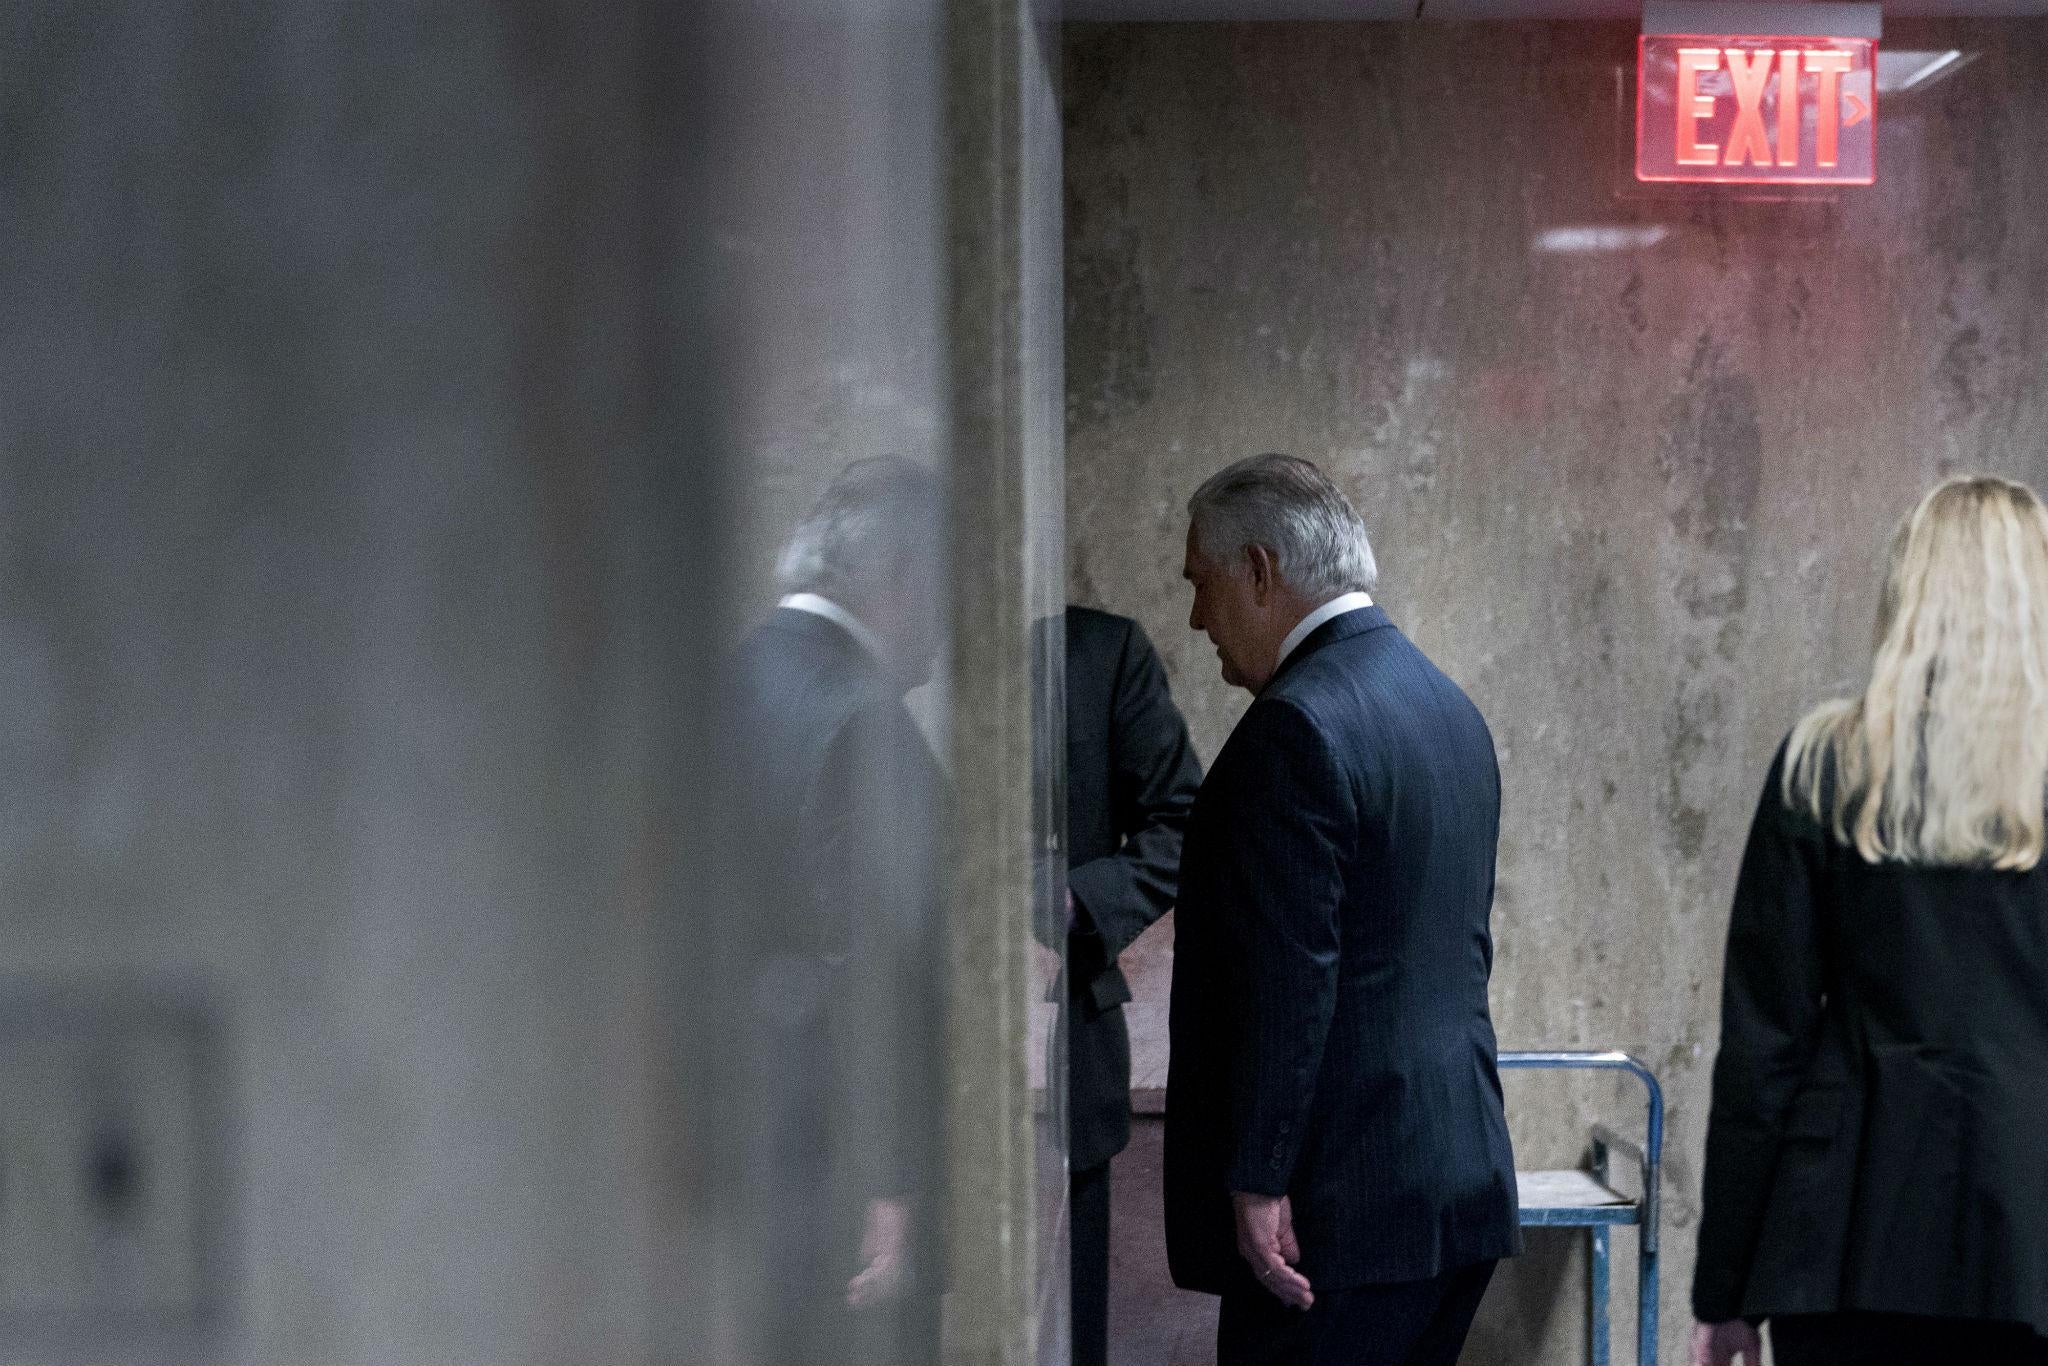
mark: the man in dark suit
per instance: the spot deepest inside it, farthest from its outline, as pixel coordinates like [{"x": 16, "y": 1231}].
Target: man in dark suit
[
  {"x": 1131, "y": 778},
  {"x": 1337, "y": 1160},
  {"x": 833, "y": 1006}
]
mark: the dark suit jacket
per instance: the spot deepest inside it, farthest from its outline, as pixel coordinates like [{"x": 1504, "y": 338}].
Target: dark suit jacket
[
  {"x": 1879, "y": 1133},
  {"x": 1131, "y": 780},
  {"x": 835, "y": 1004},
  {"x": 1330, "y": 1033}
]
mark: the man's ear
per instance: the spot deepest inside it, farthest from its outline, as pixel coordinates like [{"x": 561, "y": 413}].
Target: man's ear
[{"x": 1264, "y": 572}]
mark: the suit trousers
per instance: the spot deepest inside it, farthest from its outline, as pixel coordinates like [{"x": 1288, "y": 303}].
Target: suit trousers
[
  {"x": 1412, "y": 1323},
  {"x": 1088, "y": 1222},
  {"x": 1852, "y": 1338}
]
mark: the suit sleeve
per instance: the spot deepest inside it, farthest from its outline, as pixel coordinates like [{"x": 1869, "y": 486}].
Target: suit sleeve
[
  {"x": 1771, "y": 1002},
  {"x": 1290, "y": 815},
  {"x": 873, "y": 870},
  {"x": 1153, "y": 784}
]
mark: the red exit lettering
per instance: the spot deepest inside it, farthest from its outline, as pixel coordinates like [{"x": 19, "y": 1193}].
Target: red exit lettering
[{"x": 1755, "y": 110}]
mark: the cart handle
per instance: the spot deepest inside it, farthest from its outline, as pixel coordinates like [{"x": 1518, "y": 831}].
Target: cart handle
[{"x": 1650, "y": 1156}]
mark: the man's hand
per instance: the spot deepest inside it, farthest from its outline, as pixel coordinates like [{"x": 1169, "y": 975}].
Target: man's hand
[
  {"x": 1265, "y": 1239},
  {"x": 1718, "y": 1344},
  {"x": 884, "y": 1254}
]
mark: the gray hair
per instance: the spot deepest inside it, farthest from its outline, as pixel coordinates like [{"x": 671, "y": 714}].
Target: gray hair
[
  {"x": 1291, "y": 508},
  {"x": 877, "y": 524}
]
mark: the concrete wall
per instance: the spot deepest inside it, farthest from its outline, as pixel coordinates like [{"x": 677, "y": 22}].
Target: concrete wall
[
  {"x": 319, "y": 603},
  {"x": 1632, "y": 499},
  {"x": 1008, "y": 1292}
]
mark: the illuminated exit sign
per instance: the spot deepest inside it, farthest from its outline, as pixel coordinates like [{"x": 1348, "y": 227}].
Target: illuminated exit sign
[{"x": 1751, "y": 94}]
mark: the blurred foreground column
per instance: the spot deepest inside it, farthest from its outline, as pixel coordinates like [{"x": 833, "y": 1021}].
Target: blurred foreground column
[{"x": 1009, "y": 1281}]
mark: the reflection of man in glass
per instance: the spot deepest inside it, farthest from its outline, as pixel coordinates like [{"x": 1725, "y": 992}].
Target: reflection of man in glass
[
  {"x": 1131, "y": 779},
  {"x": 834, "y": 806}
]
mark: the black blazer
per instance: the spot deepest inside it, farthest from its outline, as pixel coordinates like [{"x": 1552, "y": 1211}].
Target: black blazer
[
  {"x": 1131, "y": 780},
  {"x": 1879, "y": 1132},
  {"x": 1330, "y": 1033},
  {"x": 835, "y": 1003}
]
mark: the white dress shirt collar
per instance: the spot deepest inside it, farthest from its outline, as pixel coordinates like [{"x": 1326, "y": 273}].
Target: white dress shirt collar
[
  {"x": 824, "y": 607},
  {"x": 1335, "y": 607}
]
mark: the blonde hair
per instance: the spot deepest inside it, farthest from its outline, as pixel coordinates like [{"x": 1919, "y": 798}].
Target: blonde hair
[{"x": 1944, "y": 758}]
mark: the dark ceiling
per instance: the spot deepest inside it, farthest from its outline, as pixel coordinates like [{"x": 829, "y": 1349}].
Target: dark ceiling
[{"x": 1127, "y": 10}]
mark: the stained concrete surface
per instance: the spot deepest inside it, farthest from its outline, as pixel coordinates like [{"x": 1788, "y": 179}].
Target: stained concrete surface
[
  {"x": 1633, "y": 499},
  {"x": 1007, "y": 1299}
]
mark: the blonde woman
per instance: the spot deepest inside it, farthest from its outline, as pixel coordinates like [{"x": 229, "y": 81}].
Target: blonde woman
[{"x": 1877, "y": 1155}]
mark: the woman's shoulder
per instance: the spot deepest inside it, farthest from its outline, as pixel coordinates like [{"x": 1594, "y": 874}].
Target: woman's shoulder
[{"x": 1798, "y": 786}]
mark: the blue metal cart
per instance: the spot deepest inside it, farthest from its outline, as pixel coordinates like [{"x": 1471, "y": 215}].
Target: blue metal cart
[{"x": 1585, "y": 1199}]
